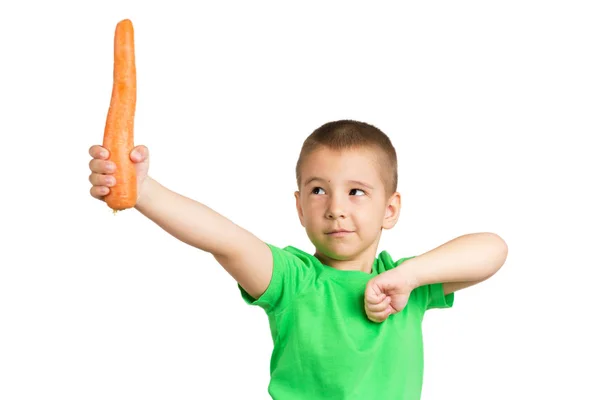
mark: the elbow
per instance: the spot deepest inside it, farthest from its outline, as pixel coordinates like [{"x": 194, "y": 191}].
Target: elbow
[
  {"x": 492, "y": 251},
  {"x": 499, "y": 253},
  {"x": 502, "y": 247}
]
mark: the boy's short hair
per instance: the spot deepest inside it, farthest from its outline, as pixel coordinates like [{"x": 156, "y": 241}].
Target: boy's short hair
[{"x": 351, "y": 135}]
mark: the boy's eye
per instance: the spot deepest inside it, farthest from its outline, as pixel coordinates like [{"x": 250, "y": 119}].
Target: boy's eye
[{"x": 353, "y": 192}]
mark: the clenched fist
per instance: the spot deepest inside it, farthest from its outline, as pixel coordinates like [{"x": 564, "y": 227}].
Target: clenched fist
[{"x": 388, "y": 293}]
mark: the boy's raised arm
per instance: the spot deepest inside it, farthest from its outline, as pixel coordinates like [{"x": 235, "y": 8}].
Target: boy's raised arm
[{"x": 245, "y": 257}]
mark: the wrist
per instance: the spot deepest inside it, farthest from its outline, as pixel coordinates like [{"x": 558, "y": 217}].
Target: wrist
[
  {"x": 407, "y": 274},
  {"x": 144, "y": 192}
]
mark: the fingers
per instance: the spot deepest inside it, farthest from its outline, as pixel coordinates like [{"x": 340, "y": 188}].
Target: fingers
[
  {"x": 97, "y": 151},
  {"x": 99, "y": 163},
  {"x": 379, "y": 306},
  {"x": 373, "y": 298},
  {"x": 98, "y": 192},
  {"x": 101, "y": 169},
  {"x": 373, "y": 293},
  {"x": 100, "y": 166},
  {"x": 102, "y": 180},
  {"x": 378, "y": 311},
  {"x": 380, "y": 316},
  {"x": 101, "y": 184}
]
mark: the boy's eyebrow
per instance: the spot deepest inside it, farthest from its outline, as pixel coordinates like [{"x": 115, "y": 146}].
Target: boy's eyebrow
[
  {"x": 314, "y": 178},
  {"x": 362, "y": 184}
]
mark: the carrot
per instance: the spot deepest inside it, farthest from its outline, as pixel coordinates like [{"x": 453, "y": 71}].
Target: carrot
[{"x": 118, "y": 131}]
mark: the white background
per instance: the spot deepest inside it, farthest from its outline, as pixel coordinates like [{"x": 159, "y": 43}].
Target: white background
[{"x": 492, "y": 106}]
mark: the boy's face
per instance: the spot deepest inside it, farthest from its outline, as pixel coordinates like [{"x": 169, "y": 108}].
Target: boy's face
[{"x": 343, "y": 190}]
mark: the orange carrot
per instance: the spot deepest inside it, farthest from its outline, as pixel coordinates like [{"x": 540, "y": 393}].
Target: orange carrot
[{"x": 118, "y": 131}]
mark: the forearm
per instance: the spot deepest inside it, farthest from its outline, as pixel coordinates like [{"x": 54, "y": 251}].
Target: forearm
[
  {"x": 190, "y": 221},
  {"x": 468, "y": 258}
]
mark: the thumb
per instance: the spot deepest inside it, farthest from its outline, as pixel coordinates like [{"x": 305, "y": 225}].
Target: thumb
[{"x": 139, "y": 154}]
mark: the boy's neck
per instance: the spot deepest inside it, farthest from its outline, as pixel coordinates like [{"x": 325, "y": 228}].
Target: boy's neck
[{"x": 359, "y": 262}]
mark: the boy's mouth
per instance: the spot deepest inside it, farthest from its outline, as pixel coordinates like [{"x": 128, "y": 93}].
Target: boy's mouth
[{"x": 339, "y": 233}]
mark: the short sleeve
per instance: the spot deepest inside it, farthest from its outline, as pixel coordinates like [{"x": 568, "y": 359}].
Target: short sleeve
[
  {"x": 431, "y": 296},
  {"x": 291, "y": 274},
  {"x": 437, "y": 298}
]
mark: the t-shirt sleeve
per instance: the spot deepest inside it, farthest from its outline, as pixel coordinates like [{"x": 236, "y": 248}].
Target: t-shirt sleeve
[
  {"x": 431, "y": 295},
  {"x": 436, "y": 297},
  {"x": 290, "y": 275}
]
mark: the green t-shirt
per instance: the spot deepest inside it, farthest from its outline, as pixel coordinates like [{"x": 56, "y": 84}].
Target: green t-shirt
[{"x": 325, "y": 347}]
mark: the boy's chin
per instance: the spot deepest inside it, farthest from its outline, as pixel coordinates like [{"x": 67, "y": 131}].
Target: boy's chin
[{"x": 337, "y": 251}]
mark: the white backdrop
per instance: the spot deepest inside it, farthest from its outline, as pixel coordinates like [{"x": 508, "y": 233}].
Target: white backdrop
[{"x": 492, "y": 107}]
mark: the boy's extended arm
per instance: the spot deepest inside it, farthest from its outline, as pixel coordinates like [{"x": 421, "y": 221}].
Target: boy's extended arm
[
  {"x": 245, "y": 257},
  {"x": 459, "y": 263}
]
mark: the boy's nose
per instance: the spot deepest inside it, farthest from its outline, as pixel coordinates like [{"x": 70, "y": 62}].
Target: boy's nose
[
  {"x": 335, "y": 214},
  {"x": 335, "y": 210}
]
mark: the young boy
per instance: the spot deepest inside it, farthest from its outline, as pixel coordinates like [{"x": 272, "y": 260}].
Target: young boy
[{"x": 345, "y": 323}]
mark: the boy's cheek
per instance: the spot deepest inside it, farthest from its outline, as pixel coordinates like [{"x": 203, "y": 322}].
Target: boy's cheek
[{"x": 314, "y": 236}]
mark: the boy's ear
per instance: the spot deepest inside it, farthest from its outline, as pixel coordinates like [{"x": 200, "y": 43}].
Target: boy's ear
[
  {"x": 299, "y": 207},
  {"x": 392, "y": 211}
]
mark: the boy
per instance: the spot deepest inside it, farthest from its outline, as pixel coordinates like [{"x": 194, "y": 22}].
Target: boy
[{"x": 345, "y": 323}]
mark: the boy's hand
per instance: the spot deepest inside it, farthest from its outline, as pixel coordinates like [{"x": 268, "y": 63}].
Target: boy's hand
[
  {"x": 387, "y": 294},
  {"x": 101, "y": 177}
]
